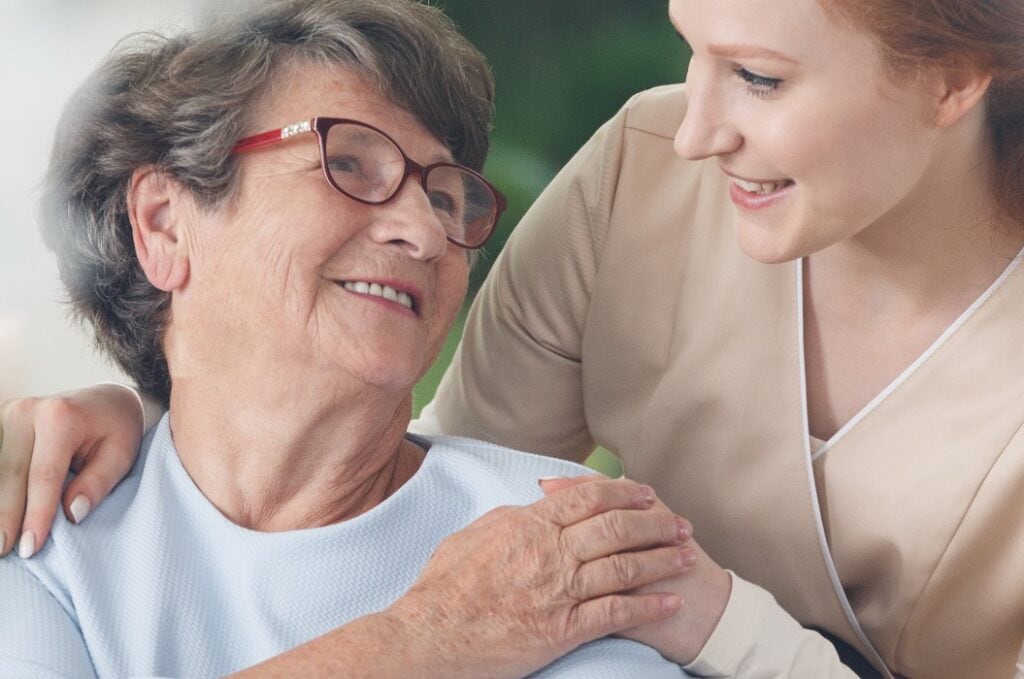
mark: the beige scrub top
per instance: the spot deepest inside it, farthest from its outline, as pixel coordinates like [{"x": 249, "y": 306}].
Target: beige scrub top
[{"x": 622, "y": 312}]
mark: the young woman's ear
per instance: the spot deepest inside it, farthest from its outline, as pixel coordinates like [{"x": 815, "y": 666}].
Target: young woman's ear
[
  {"x": 959, "y": 88},
  {"x": 156, "y": 210}
]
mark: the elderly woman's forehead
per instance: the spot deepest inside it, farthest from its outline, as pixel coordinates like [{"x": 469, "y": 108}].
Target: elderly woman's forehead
[{"x": 301, "y": 90}]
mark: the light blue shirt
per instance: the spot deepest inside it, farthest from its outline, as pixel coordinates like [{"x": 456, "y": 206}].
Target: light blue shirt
[{"x": 157, "y": 582}]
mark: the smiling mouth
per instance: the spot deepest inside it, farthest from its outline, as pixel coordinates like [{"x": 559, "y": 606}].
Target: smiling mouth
[
  {"x": 761, "y": 188},
  {"x": 383, "y": 291}
]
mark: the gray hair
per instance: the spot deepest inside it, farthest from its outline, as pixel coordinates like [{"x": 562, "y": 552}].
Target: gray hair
[{"x": 180, "y": 103}]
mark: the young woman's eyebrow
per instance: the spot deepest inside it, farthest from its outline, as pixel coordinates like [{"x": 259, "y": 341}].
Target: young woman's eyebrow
[{"x": 748, "y": 52}]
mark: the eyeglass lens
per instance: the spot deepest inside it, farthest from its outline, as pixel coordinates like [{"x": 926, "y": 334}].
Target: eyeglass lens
[{"x": 368, "y": 166}]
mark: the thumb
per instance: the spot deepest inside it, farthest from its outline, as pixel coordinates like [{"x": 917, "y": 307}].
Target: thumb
[{"x": 553, "y": 484}]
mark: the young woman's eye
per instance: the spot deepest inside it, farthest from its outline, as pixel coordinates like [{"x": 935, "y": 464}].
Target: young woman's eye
[{"x": 758, "y": 85}]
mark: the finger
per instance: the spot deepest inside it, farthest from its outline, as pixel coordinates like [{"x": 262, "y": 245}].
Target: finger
[
  {"x": 584, "y": 500},
  {"x": 616, "y": 613},
  {"x": 15, "y": 458},
  {"x": 553, "y": 484},
  {"x": 98, "y": 471},
  {"x": 97, "y": 476},
  {"x": 57, "y": 439},
  {"x": 624, "y": 572},
  {"x": 623, "y": 531}
]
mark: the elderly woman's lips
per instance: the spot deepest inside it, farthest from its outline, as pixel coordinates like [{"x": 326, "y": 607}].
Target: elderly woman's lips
[{"x": 378, "y": 290}]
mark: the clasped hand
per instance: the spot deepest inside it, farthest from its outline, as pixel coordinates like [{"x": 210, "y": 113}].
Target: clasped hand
[{"x": 522, "y": 586}]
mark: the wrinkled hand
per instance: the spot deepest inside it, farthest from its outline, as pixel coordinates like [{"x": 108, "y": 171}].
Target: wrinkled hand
[
  {"x": 94, "y": 432},
  {"x": 522, "y": 586},
  {"x": 704, "y": 588}
]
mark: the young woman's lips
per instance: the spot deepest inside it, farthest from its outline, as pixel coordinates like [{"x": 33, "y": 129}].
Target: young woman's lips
[{"x": 753, "y": 195}]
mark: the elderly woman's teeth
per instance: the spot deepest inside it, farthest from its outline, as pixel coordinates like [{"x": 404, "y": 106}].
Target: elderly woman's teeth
[
  {"x": 760, "y": 187},
  {"x": 378, "y": 290}
]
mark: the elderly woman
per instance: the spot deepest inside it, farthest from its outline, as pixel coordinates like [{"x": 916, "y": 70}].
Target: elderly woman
[{"x": 281, "y": 291}]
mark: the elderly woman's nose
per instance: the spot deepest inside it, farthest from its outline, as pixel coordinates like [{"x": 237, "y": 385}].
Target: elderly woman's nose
[
  {"x": 705, "y": 130},
  {"x": 409, "y": 221}
]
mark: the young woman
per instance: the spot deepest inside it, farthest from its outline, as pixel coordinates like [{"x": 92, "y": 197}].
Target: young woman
[{"x": 787, "y": 295}]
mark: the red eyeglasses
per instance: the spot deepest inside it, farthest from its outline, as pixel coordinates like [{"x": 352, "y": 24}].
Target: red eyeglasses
[{"x": 366, "y": 165}]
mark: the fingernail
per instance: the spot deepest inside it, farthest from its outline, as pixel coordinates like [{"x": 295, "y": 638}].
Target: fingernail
[
  {"x": 27, "y": 546},
  {"x": 547, "y": 478},
  {"x": 80, "y": 507},
  {"x": 649, "y": 494},
  {"x": 3, "y": 541},
  {"x": 688, "y": 557},
  {"x": 683, "y": 530},
  {"x": 670, "y": 603}
]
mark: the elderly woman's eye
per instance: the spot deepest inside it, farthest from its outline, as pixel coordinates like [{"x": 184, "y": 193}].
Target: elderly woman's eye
[
  {"x": 345, "y": 164},
  {"x": 445, "y": 202}
]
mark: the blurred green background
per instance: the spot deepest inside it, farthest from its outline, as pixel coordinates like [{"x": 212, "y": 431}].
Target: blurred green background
[{"x": 562, "y": 68}]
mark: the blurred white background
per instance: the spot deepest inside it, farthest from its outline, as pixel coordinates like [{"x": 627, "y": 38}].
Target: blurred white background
[{"x": 47, "y": 47}]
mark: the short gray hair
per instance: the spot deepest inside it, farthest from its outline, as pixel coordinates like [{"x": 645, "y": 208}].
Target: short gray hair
[{"x": 180, "y": 103}]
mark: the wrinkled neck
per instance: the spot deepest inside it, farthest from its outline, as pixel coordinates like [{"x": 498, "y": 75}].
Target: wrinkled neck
[{"x": 274, "y": 459}]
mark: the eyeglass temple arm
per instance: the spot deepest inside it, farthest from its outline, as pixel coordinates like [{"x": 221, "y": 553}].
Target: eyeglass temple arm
[{"x": 273, "y": 136}]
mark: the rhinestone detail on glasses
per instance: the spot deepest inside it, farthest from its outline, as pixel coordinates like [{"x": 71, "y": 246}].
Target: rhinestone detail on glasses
[{"x": 294, "y": 129}]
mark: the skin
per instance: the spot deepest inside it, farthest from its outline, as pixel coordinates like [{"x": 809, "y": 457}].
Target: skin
[
  {"x": 889, "y": 201},
  {"x": 886, "y": 199},
  {"x": 466, "y": 618},
  {"x": 264, "y": 273},
  {"x": 306, "y": 426}
]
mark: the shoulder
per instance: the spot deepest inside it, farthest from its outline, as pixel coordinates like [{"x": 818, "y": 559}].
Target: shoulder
[
  {"x": 636, "y": 176},
  {"x": 627, "y": 175},
  {"x": 658, "y": 111},
  {"x": 501, "y": 472},
  {"x": 45, "y": 590},
  {"x": 138, "y": 498},
  {"x": 653, "y": 115}
]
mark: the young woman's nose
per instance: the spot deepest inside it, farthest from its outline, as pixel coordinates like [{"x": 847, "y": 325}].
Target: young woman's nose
[
  {"x": 409, "y": 221},
  {"x": 705, "y": 130}
]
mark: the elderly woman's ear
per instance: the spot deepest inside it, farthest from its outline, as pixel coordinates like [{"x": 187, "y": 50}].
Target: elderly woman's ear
[{"x": 158, "y": 208}]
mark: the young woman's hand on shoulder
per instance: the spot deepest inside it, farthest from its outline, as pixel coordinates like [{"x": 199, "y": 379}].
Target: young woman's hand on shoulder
[{"x": 94, "y": 432}]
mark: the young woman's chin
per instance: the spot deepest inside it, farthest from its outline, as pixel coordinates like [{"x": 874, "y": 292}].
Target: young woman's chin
[{"x": 766, "y": 242}]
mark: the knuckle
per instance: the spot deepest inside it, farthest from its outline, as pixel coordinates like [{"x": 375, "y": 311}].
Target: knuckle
[
  {"x": 613, "y": 527},
  {"x": 39, "y": 522},
  {"x": 123, "y": 456},
  {"x": 46, "y": 475},
  {"x": 14, "y": 465},
  {"x": 668, "y": 527},
  {"x": 54, "y": 412},
  {"x": 589, "y": 496},
  {"x": 581, "y": 585},
  {"x": 20, "y": 409},
  {"x": 573, "y": 629},
  {"x": 627, "y": 570},
  {"x": 10, "y": 515},
  {"x": 569, "y": 546},
  {"x": 106, "y": 462},
  {"x": 617, "y": 612}
]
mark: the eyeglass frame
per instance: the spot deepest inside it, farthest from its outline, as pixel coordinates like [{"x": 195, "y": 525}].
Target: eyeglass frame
[{"x": 321, "y": 125}]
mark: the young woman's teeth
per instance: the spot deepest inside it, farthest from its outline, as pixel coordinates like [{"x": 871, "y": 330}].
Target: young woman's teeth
[
  {"x": 760, "y": 187},
  {"x": 377, "y": 290}
]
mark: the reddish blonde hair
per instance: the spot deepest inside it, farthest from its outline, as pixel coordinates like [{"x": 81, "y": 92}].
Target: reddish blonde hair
[{"x": 991, "y": 32}]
